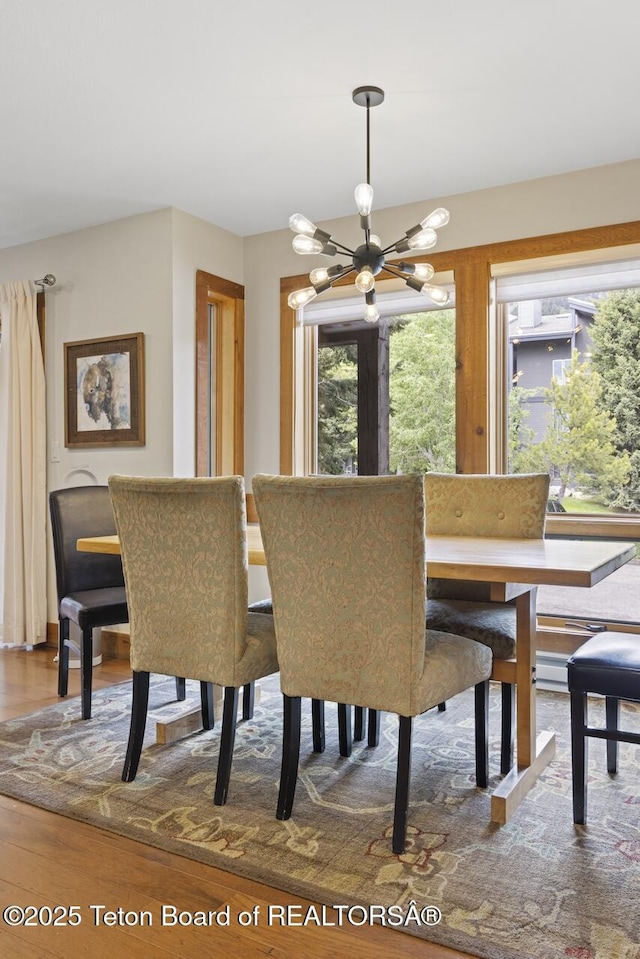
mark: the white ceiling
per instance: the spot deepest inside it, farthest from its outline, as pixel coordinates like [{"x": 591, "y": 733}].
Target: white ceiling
[{"x": 241, "y": 112}]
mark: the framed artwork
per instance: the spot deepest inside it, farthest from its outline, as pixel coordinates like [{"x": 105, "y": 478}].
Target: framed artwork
[{"x": 104, "y": 391}]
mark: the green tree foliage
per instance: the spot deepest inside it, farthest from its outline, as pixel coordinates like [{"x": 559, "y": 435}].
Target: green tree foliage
[
  {"x": 616, "y": 357},
  {"x": 337, "y": 408},
  {"x": 520, "y": 437},
  {"x": 422, "y": 393},
  {"x": 579, "y": 445}
]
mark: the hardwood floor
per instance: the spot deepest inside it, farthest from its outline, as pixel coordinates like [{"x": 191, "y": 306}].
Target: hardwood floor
[{"x": 48, "y": 860}]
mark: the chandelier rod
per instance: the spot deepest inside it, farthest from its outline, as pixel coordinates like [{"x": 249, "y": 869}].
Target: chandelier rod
[{"x": 368, "y": 140}]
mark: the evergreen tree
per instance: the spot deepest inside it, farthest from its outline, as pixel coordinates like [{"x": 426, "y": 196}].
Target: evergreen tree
[
  {"x": 579, "y": 446},
  {"x": 616, "y": 357},
  {"x": 422, "y": 393},
  {"x": 337, "y": 408}
]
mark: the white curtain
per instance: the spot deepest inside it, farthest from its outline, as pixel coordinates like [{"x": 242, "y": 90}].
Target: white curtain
[{"x": 23, "y": 487}]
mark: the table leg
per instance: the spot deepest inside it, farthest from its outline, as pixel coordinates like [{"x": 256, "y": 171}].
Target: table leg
[{"x": 533, "y": 752}]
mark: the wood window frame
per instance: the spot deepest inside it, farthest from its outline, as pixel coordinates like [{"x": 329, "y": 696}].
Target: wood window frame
[{"x": 228, "y": 358}]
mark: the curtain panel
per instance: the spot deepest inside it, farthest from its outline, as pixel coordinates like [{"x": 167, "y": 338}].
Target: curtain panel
[{"x": 23, "y": 487}]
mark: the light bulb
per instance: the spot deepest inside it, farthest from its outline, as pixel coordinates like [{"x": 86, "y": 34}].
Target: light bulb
[
  {"x": 436, "y": 293},
  {"x": 302, "y": 224},
  {"x": 422, "y": 240},
  {"x": 423, "y": 271},
  {"x": 301, "y": 297},
  {"x": 374, "y": 240},
  {"x": 371, "y": 313},
  {"x": 306, "y": 244},
  {"x": 365, "y": 280},
  {"x": 436, "y": 219},
  {"x": 319, "y": 275},
  {"x": 364, "y": 198}
]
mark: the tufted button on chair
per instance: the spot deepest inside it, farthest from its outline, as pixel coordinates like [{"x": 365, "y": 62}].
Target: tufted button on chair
[
  {"x": 346, "y": 564},
  {"x": 608, "y": 665},
  {"x": 513, "y": 507},
  {"x": 184, "y": 554}
]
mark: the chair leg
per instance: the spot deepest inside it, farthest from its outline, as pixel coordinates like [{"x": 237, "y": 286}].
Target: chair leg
[
  {"x": 227, "y": 740},
  {"x": 181, "y": 689},
  {"x": 206, "y": 705},
  {"x": 612, "y": 709},
  {"x": 63, "y": 656},
  {"x": 358, "y": 724},
  {"x": 579, "y": 755},
  {"x": 290, "y": 756},
  {"x": 507, "y": 742},
  {"x": 344, "y": 729},
  {"x": 373, "y": 733},
  {"x": 248, "y": 700},
  {"x": 139, "y": 707},
  {"x": 482, "y": 733},
  {"x": 86, "y": 671},
  {"x": 442, "y": 707},
  {"x": 403, "y": 776},
  {"x": 317, "y": 722}
]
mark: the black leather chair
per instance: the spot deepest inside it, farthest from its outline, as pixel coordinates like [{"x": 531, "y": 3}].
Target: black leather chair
[
  {"x": 607, "y": 664},
  {"x": 90, "y": 585}
]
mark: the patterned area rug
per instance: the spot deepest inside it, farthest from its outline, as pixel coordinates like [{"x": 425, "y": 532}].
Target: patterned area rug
[{"x": 537, "y": 887}]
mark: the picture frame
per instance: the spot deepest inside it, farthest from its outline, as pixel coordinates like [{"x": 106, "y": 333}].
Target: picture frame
[{"x": 104, "y": 392}]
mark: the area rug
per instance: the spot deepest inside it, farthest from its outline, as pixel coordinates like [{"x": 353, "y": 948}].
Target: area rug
[{"x": 539, "y": 887}]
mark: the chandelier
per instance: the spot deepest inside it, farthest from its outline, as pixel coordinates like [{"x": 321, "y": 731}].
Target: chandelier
[{"x": 369, "y": 259}]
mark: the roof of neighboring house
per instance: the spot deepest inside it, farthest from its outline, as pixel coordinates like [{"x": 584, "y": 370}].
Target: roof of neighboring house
[{"x": 553, "y": 327}]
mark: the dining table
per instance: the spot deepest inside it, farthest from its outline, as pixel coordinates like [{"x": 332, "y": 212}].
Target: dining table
[{"x": 514, "y": 568}]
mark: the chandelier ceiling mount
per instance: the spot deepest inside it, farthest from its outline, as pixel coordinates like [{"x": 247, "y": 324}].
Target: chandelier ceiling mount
[{"x": 369, "y": 259}]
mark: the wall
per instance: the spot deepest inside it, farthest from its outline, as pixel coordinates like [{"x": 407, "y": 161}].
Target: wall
[
  {"x": 111, "y": 279},
  {"x": 136, "y": 274},
  {"x": 196, "y": 245}
]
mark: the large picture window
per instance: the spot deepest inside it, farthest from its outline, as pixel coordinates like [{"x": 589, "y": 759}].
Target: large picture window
[{"x": 573, "y": 383}]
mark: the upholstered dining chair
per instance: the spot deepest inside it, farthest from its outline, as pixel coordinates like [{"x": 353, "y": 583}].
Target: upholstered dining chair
[
  {"x": 513, "y": 507},
  {"x": 346, "y": 734},
  {"x": 184, "y": 554},
  {"x": 355, "y": 633}
]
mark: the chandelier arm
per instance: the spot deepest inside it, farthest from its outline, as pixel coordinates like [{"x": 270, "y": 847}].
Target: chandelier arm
[
  {"x": 392, "y": 270},
  {"x": 340, "y": 246},
  {"x": 345, "y": 272},
  {"x": 391, "y": 246}
]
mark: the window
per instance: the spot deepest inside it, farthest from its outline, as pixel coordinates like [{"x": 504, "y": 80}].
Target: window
[
  {"x": 559, "y": 371},
  {"x": 383, "y": 394},
  {"x": 574, "y": 402}
]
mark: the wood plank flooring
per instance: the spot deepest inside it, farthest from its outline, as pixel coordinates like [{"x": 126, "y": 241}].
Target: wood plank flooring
[{"x": 49, "y": 860}]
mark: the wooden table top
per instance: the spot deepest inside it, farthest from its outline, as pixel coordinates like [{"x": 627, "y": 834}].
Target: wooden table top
[{"x": 548, "y": 562}]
